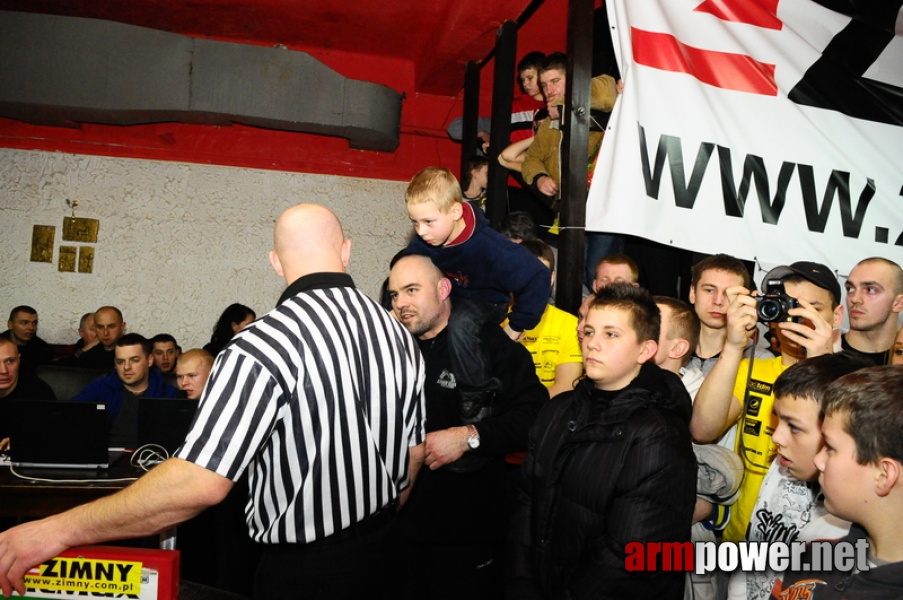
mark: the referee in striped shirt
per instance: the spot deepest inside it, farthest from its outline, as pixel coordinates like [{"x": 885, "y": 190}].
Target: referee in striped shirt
[{"x": 321, "y": 400}]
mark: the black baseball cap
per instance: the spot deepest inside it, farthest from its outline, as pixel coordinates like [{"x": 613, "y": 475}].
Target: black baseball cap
[{"x": 813, "y": 272}]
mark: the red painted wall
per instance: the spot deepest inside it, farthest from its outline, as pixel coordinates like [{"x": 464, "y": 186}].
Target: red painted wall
[{"x": 423, "y": 122}]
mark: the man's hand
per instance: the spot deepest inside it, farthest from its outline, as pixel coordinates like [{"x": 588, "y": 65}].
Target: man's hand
[
  {"x": 445, "y": 446},
  {"x": 741, "y": 316},
  {"x": 514, "y": 335},
  {"x": 23, "y": 547},
  {"x": 484, "y": 141},
  {"x": 547, "y": 185},
  {"x": 554, "y": 111},
  {"x": 814, "y": 334}
]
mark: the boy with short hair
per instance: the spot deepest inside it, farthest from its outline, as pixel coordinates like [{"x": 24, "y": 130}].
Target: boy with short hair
[
  {"x": 630, "y": 473},
  {"x": 614, "y": 268},
  {"x": 861, "y": 475},
  {"x": 553, "y": 343},
  {"x": 710, "y": 279},
  {"x": 719, "y": 469},
  {"x": 486, "y": 270},
  {"x": 680, "y": 331},
  {"x": 166, "y": 352},
  {"x": 788, "y": 507}
]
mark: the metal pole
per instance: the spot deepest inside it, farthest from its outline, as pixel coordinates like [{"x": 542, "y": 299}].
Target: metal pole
[
  {"x": 574, "y": 155},
  {"x": 500, "y": 134},
  {"x": 471, "y": 113}
]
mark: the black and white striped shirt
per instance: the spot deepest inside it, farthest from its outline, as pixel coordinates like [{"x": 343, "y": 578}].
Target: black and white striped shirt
[{"x": 320, "y": 400}]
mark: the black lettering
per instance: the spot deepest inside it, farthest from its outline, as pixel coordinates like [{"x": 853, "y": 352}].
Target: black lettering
[
  {"x": 838, "y": 185},
  {"x": 124, "y": 571},
  {"x": 669, "y": 147},
  {"x": 753, "y": 171},
  {"x": 77, "y": 570},
  {"x": 103, "y": 571},
  {"x": 49, "y": 571}
]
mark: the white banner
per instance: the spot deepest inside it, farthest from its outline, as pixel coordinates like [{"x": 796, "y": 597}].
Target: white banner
[{"x": 766, "y": 129}]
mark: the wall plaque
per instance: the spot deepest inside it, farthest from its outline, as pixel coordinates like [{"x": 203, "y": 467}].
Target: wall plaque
[
  {"x": 77, "y": 229},
  {"x": 86, "y": 259},
  {"x": 67, "y": 258},
  {"x": 42, "y": 237}
]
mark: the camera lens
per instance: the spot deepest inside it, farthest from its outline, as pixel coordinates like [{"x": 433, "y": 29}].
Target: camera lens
[{"x": 769, "y": 310}]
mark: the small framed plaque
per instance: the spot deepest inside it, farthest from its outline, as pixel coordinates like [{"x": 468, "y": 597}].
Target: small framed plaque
[
  {"x": 86, "y": 259},
  {"x": 67, "y": 258},
  {"x": 42, "y": 237}
]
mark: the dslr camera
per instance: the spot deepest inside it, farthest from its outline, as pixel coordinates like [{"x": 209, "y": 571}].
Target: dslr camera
[{"x": 774, "y": 304}]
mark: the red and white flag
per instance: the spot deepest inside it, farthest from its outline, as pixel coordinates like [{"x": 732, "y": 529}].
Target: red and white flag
[{"x": 767, "y": 129}]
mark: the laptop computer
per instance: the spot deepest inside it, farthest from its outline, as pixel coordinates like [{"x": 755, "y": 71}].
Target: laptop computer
[
  {"x": 60, "y": 435},
  {"x": 165, "y": 421}
]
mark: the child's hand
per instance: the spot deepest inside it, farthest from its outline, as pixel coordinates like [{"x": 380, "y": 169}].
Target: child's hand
[{"x": 514, "y": 335}]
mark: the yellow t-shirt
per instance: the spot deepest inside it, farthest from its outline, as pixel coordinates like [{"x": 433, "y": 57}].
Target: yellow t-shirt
[
  {"x": 553, "y": 342},
  {"x": 754, "y": 444}
]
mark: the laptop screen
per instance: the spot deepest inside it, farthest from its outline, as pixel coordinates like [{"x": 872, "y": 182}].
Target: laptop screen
[
  {"x": 165, "y": 421},
  {"x": 56, "y": 434}
]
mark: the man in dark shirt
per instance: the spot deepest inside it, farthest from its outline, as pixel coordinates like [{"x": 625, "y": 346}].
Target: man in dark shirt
[
  {"x": 874, "y": 302},
  {"x": 109, "y": 325},
  {"x": 23, "y": 331},
  {"x": 134, "y": 377},
  {"x": 16, "y": 384},
  {"x": 454, "y": 524}
]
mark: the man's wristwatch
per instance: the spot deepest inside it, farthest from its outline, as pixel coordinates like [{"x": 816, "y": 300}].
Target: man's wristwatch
[{"x": 473, "y": 437}]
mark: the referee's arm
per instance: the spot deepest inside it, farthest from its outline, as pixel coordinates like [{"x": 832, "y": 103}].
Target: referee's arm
[
  {"x": 415, "y": 461},
  {"x": 171, "y": 493}
]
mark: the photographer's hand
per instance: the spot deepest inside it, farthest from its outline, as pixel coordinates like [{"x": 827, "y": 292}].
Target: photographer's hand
[
  {"x": 814, "y": 334},
  {"x": 716, "y": 408},
  {"x": 741, "y": 316}
]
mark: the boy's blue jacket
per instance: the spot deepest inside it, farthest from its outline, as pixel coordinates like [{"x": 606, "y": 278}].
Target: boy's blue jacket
[{"x": 485, "y": 265}]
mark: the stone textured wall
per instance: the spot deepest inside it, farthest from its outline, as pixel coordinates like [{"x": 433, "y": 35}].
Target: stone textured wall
[{"x": 177, "y": 242}]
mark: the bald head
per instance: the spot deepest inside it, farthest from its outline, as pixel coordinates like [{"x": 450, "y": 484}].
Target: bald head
[
  {"x": 417, "y": 267},
  {"x": 192, "y": 372},
  {"x": 109, "y": 325},
  {"x": 420, "y": 296},
  {"x": 6, "y": 342},
  {"x": 308, "y": 238}
]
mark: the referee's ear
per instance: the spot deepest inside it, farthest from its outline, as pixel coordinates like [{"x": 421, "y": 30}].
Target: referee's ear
[
  {"x": 277, "y": 266},
  {"x": 346, "y": 253}
]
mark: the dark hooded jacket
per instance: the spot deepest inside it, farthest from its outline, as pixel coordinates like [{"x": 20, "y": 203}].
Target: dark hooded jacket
[{"x": 604, "y": 469}]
